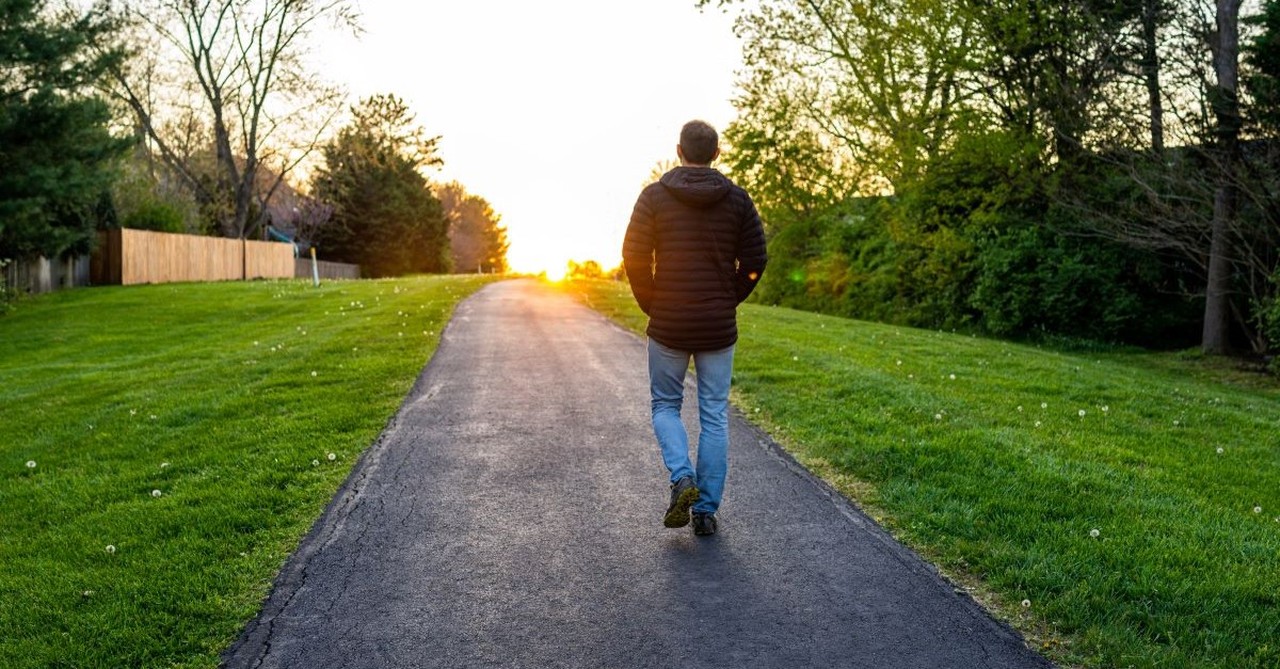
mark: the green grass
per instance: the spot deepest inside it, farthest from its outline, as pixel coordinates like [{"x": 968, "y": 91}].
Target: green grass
[
  {"x": 997, "y": 477},
  {"x": 244, "y": 404}
]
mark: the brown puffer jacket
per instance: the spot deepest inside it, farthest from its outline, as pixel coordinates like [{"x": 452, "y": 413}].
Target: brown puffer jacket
[{"x": 694, "y": 250}]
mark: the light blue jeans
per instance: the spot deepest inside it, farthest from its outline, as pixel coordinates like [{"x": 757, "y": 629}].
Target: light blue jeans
[{"x": 667, "y": 368}]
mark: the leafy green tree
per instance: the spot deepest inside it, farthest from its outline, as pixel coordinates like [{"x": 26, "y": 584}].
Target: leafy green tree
[
  {"x": 385, "y": 217},
  {"x": 56, "y": 151},
  {"x": 477, "y": 239}
]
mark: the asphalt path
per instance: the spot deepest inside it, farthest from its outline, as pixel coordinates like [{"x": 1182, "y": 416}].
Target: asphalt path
[{"x": 511, "y": 516}]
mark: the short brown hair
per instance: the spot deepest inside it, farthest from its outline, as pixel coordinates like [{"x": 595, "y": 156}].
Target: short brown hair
[{"x": 699, "y": 141}]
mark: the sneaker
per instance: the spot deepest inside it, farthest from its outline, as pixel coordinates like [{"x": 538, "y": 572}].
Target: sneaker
[
  {"x": 683, "y": 494},
  {"x": 704, "y": 524}
]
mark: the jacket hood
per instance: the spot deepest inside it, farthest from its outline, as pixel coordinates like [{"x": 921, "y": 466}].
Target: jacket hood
[{"x": 696, "y": 186}]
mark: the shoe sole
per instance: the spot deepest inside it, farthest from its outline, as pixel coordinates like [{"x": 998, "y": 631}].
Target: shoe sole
[{"x": 678, "y": 515}]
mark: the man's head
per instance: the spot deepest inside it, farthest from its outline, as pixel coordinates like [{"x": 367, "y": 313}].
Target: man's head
[{"x": 699, "y": 144}]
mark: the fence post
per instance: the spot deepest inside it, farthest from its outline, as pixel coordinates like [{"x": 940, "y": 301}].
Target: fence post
[{"x": 315, "y": 267}]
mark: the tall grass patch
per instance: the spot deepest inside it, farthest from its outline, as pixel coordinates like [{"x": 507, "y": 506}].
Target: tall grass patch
[{"x": 164, "y": 448}]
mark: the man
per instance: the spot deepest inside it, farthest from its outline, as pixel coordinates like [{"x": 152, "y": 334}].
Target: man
[{"x": 694, "y": 250}]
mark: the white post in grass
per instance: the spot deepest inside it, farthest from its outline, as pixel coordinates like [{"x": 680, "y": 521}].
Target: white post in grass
[{"x": 315, "y": 267}]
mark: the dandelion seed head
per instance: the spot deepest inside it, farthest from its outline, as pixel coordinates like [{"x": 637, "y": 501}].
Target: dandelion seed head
[
  {"x": 111, "y": 549},
  {"x": 152, "y": 416},
  {"x": 1019, "y": 408},
  {"x": 156, "y": 493},
  {"x": 163, "y": 465},
  {"x": 795, "y": 358},
  {"x": 899, "y": 363},
  {"x": 1026, "y": 603},
  {"x": 31, "y": 464},
  {"x": 1094, "y": 533},
  {"x": 1220, "y": 450},
  {"x": 1037, "y": 423},
  {"x": 953, "y": 377},
  {"x": 1082, "y": 413},
  {"x": 332, "y": 457},
  {"x": 315, "y": 463},
  {"x": 1257, "y": 509},
  {"x": 313, "y": 373},
  {"x": 1105, "y": 408},
  {"x": 1044, "y": 405},
  {"x": 937, "y": 416}
]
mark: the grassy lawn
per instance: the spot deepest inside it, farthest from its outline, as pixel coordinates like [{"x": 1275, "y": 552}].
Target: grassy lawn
[
  {"x": 1121, "y": 509},
  {"x": 164, "y": 448}
]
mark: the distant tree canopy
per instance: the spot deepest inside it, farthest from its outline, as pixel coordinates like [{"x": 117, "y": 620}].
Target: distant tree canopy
[
  {"x": 1073, "y": 168},
  {"x": 220, "y": 93},
  {"x": 385, "y": 216},
  {"x": 56, "y": 152},
  {"x": 477, "y": 240}
]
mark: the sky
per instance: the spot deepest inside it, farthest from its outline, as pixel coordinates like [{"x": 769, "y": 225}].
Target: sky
[{"x": 556, "y": 112}]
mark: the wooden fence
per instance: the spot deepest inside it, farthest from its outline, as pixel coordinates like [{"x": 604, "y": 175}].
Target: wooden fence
[
  {"x": 126, "y": 257},
  {"x": 42, "y": 275},
  {"x": 328, "y": 270}
]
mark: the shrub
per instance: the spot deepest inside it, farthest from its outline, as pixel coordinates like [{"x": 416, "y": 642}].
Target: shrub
[{"x": 156, "y": 215}]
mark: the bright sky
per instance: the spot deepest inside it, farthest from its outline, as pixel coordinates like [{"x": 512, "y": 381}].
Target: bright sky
[{"x": 556, "y": 111}]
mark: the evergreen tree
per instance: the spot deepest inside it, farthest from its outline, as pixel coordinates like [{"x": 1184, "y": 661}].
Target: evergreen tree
[
  {"x": 385, "y": 217},
  {"x": 56, "y": 153}
]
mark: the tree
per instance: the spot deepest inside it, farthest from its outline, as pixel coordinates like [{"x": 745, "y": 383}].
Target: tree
[
  {"x": 56, "y": 152},
  {"x": 385, "y": 217},
  {"x": 219, "y": 90},
  {"x": 875, "y": 87},
  {"x": 1226, "y": 111},
  {"x": 477, "y": 240}
]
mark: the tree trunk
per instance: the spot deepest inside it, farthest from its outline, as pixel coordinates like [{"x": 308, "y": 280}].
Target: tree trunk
[
  {"x": 1226, "y": 108},
  {"x": 1151, "y": 72}
]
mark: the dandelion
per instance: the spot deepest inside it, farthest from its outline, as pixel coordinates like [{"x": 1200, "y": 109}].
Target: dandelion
[
  {"x": 315, "y": 463},
  {"x": 911, "y": 376},
  {"x": 1220, "y": 450},
  {"x": 111, "y": 550},
  {"x": 1257, "y": 509},
  {"x": 313, "y": 373},
  {"x": 133, "y": 412},
  {"x": 156, "y": 493},
  {"x": 163, "y": 465},
  {"x": 400, "y": 334},
  {"x": 153, "y": 416},
  {"x": 332, "y": 457},
  {"x": 255, "y": 343},
  {"x": 31, "y": 464},
  {"x": 899, "y": 363},
  {"x": 757, "y": 409},
  {"x": 1094, "y": 533},
  {"x": 1044, "y": 405},
  {"x": 953, "y": 377},
  {"x": 1082, "y": 413},
  {"x": 87, "y": 593},
  {"x": 1037, "y": 423},
  {"x": 937, "y": 416},
  {"x": 1105, "y": 408},
  {"x": 1176, "y": 423},
  {"x": 1019, "y": 408},
  {"x": 1026, "y": 603},
  {"x": 795, "y": 358},
  {"x": 355, "y": 348}
]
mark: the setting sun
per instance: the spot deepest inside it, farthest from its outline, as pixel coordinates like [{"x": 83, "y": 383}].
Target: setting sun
[{"x": 563, "y": 175}]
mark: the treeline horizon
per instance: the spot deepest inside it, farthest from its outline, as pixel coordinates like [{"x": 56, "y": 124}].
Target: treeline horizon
[
  {"x": 206, "y": 119},
  {"x": 1100, "y": 171}
]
